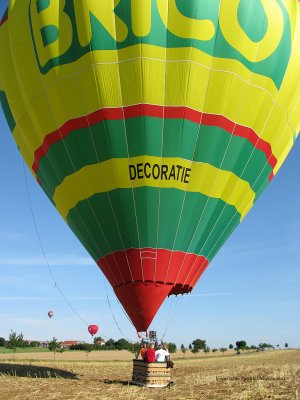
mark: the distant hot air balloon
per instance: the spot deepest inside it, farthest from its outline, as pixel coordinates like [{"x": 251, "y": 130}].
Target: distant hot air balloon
[
  {"x": 50, "y": 314},
  {"x": 153, "y": 126},
  {"x": 93, "y": 329}
]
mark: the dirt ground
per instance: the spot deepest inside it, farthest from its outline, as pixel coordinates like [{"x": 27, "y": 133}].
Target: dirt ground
[{"x": 269, "y": 375}]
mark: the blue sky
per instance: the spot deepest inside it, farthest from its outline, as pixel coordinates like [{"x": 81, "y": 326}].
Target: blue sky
[{"x": 251, "y": 290}]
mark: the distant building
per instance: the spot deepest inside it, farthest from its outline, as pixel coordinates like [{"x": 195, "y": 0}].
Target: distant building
[
  {"x": 29, "y": 341},
  {"x": 68, "y": 343},
  {"x": 43, "y": 344},
  {"x": 100, "y": 342}
]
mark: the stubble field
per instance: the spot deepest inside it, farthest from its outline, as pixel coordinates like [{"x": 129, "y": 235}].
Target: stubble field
[{"x": 270, "y": 375}]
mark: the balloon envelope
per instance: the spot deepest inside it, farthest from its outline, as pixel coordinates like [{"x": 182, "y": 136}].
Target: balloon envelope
[
  {"x": 93, "y": 329},
  {"x": 50, "y": 314},
  {"x": 153, "y": 126}
]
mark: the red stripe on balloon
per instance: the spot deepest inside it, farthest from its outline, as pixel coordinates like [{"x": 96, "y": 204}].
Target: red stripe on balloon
[
  {"x": 149, "y": 110},
  {"x": 143, "y": 278},
  {"x": 162, "y": 266}
]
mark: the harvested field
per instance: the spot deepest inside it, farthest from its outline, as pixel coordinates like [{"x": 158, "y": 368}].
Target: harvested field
[
  {"x": 270, "y": 375},
  {"x": 107, "y": 355}
]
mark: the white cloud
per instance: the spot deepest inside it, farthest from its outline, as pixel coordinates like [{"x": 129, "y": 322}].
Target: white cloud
[
  {"x": 11, "y": 280},
  {"x": 40, "y": 298},
  {"x": 25, "y": 321},
  {"x": 211, "y": 294},
  {"x": 26, "y": 298},
  {"x": 12, "y": 236},
  {"x": 53, "y": 260},
  {"x": 260, "y": 248}
]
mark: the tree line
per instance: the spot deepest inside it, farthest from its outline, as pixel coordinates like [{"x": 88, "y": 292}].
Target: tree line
[
  {"x": 111, "y": 344},
  {"x": 17, "y": 341},
  {"x": 200, "y": 345}
]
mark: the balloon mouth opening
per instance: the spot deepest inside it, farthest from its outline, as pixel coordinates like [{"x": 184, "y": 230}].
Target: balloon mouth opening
[
  {"x": 180, "y": 289},
  {"x": 175, "y": 289},
  {"x": 142, "y": 278}
]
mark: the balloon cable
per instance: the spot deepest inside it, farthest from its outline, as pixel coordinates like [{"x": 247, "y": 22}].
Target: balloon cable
[
  {"x": 175, "y": 311},
  {"x": 56, "y": 285},
  {"x": 165, "y": 313},
  {"x": 110, "y": 307}
]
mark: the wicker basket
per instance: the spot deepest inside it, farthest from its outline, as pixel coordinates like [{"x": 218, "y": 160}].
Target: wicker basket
[{"x": 151, "y": 374}]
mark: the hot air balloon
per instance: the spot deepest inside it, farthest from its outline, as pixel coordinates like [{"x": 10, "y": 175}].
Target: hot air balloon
[
  {"x": 50, "y": 314},
  {"x": 152, "y": 126},
  {"x": 93, "y": 329}
]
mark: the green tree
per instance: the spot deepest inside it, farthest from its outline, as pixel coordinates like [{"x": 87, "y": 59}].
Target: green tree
[
  {"x": 15, "y": 341},
  {"x": 230, "y": 346},
  {"x": 190, "y": 346},
  {"x": 214, "y": 350},
  {"x": 264, "y": 346},
  {"x": 135, "y": 348},
  {"x": 121, "y": 344},
  {"x": 34, "y": 343},
  {"x": 241, "y": 345},
  {"x": 195, "y": 350},
  {"x": 110, "y": 344},
  {"x": 2, "y": 341},
  {"x": 61, "y": 349},
  {"x": 54, "y": 346},
  {"x": 206, "y": 349},
  {"x": 183, "y": 349},
  {"x": 172, "y": 348},
  {"x": 199, "y": 344},
  {"x": 223, "y": 349},
  {"x": 286, "y": 345},
  {"x": 79, "y": 346}
]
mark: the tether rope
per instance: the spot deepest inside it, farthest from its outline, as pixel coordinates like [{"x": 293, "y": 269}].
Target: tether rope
[{"x": 56, "y": 285}]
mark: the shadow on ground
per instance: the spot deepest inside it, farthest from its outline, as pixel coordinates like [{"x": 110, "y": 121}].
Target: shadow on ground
[
  {"x": 34, "y": 371},
  {"x": 116, "y": 381},
  {"x": 127, "y": 383}
]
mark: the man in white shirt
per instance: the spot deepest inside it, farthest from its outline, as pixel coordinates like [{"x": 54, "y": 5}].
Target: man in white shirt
[{"x": 161, "y": 355}]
